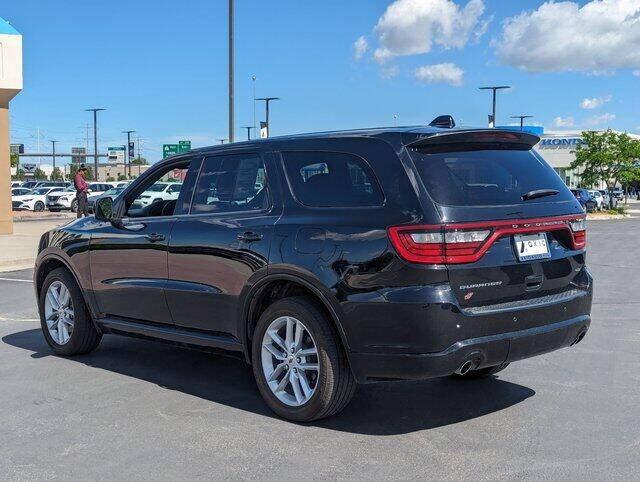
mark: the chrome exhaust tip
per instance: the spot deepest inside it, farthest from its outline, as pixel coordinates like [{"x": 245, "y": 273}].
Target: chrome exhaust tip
[{"x": 465, "y": 367}]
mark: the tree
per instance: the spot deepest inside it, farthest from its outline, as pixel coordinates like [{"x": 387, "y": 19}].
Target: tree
[
  {"x": 56, "y": 174},
  {"x": 15, "y": 160},
  {"x": 111, "y": 179},
  {"x": 608, "y": 157},
  {"x": 73, "y": 168},
  {"x": 39, "y": 174},
  {"x": 139, "y": 161},
  {"x": 19, "y": 175},
  {"x": 122, "y": 177}
]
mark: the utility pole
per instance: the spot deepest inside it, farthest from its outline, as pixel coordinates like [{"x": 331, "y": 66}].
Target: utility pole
[
  {"x": 53, "y": 155},
  {"x": 95, "y": 111},
  {"x": 231, "y": 113},
  {"x": 128, "y": 133},
  {"x": 266, "y": 101},
  {"x": 248, "y": 131},
  {"x": 492, "y": 119},
  {"x": 522, "y": 118}
]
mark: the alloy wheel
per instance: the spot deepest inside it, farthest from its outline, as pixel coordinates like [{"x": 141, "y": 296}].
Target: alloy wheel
[
  {"x": 290, "y": 361},
  {"x": 58, "y": 312}
]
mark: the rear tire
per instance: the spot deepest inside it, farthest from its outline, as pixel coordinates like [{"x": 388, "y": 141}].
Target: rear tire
[
  {"x": 81, "y": 334},
  {"x": 74, "y": 206},
  {"x": 329, "y": 390},
  {"x": 481, "y": 373}
]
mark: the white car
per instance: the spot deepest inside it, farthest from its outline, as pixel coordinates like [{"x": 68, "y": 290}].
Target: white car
[
  {"x": 598, "y": 198},
  {"x": 67, "y": 199},
  {"x": 160, "y": 191},
  {"x": 34, "y": 200},
  {"x": 19, "y": 191},
  {"x": 16, "y": 184}
]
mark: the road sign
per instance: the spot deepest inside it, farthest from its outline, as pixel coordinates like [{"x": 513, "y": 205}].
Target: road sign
[
  {"x": 78, "y": 159},
  {"x": 184, "y": 146},
  {"x": 170, "y": 150},
  {"x": 116, "y": 154},
  {"x": 16, "y": 148},
  {"x": 29, "y": 169},
  {"x": 132, "y": 150}
]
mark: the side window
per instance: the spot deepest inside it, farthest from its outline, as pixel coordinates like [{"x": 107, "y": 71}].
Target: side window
[
  {"x": 231, "y": 183},
  {"x": 331, "y": 179},
  {"x": 153, "y": 198}
]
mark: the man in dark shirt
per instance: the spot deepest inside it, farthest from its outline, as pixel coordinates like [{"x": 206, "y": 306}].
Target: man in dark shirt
[{"x": 82, "y": 188}]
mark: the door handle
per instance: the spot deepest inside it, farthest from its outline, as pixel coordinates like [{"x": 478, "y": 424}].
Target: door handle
[
  {"x": 249, "y": 236},
  {"x": 155, "y": 237}
]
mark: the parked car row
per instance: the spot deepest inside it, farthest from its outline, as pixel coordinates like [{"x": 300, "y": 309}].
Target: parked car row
[
  {"x": 595, "y": 200},
  {"x": 54, "y": 196}
]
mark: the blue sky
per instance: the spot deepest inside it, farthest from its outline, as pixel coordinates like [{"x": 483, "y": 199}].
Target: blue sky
[{"x": 160, "y": 67}]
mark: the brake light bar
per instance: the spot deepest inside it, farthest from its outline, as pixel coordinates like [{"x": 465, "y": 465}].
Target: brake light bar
[{"x": 456, "y": 243}]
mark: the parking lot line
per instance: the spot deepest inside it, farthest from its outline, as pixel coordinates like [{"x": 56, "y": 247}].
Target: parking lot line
[{"x": 18, "y": 280}]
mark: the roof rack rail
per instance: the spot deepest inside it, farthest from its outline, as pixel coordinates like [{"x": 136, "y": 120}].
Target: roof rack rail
[{"x": 443, "y": 121}]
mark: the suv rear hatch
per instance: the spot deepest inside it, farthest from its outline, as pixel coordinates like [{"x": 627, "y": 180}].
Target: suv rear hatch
[{"x": 510, "y": 230}]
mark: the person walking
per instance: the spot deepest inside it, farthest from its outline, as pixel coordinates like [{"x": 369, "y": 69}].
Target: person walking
[{"x": 82, "y": 188}]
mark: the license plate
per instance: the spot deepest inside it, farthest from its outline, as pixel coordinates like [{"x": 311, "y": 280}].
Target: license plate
[{"x": 531, "y": 246}]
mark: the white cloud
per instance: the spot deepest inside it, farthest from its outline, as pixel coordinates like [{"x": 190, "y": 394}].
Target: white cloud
[
  {"x": 388, "y": 71},
  {"x": 562, "y": 122},
  {"x": 360, "y": 46},
  {"x": 594, "y": 102},
  {"x": 636, "y": 73},
  {"x": 410, "y": 27},
  {"x": 448, "y": 73},
  {"x": 600, "y": 36},
  {"x": 597, "y": 120}
]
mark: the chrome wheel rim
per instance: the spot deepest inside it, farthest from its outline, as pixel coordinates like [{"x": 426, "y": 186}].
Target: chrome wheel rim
[
  {"x": 58, "y": 312},
  {"x": 290, "y": 361}
]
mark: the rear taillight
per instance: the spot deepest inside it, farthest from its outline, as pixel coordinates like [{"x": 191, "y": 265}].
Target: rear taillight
[
  {"x": 579, "y": 231},
  {"x": 468, "y": 242},
  {"x": 437, "y": 244}
]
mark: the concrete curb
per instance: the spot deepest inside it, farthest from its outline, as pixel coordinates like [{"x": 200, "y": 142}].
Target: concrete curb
[{"x": 24, "y": 219}]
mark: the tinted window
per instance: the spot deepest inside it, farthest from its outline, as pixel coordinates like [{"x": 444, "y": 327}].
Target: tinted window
[
  {"x": 231, "y": 183},
  {"x": 331, "y": 179},
  {"x": 486, "y": 177}
]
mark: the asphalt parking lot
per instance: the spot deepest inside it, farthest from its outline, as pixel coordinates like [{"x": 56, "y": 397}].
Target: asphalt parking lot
[{"x": 145, "y": 410}]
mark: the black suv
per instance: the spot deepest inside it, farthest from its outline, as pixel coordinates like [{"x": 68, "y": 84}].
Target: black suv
[{"x": 327, "y": 260}]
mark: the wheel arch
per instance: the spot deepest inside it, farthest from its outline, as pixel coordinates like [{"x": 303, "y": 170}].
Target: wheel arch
[{"x": 260, "y": 295}]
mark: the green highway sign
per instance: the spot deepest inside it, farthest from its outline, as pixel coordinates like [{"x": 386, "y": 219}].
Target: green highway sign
[
  {"x": 170, "y": 150},
  {"x": 184, "y": 146}
]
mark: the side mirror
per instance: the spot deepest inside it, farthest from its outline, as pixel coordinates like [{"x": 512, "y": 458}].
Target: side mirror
[{"x": 104, "y": 209}]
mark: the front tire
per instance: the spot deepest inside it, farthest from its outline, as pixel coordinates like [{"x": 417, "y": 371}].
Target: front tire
[
  {"x": 299, "y": 363},
  {"x": 38, "y": 206},
  {"x": 64, "y": 317},
  {"x": 74, "y": 206}
]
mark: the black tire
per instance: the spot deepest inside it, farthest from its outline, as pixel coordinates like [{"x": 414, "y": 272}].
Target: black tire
[
  {"x": 74, "y": 206},
  {"x": 481, "y": 373},
  {"x": 38, "y": 206},
  {"x": 336, "y": 384},
  {"x": 85, "y": 337}
]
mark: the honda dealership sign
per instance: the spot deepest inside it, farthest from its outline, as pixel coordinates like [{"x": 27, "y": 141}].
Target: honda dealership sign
[{"x": 560, "y": 143}]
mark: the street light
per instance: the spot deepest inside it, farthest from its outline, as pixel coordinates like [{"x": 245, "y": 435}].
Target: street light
[
  {"x": 128, "y": 133},
  {"x": 522, "y": 118},
  {"x": 248, "y": 131},
  {"x": 266, "y": 101},
  {"x": 231, "y": 67},
  {"x": 253, "y": 82},
  {"x": 53, "y": 152},
  {"x": 221, "y": 140},
  {"x": 492, "y": 119},
  {"x": 95, "y": 138}
]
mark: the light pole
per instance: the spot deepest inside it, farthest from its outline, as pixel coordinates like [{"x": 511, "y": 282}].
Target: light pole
[
  {"x": 266, "y": 101},
  {"x": 248, "y": 131},
  {"x": 95, "y": 111},
  {"x": 53, "y": 156},
  {"x": 221, "y": 140},
  {"x": 231, "y": 113},
  {"x": 253, "y": 82},
  {"x": 522, "y": 118},
  {"x": 128, "y": 133},
  {"x": 492, "y": 120}
]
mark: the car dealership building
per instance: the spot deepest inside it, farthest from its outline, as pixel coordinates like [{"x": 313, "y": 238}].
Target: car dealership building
[{"x": 558, "y": 148}]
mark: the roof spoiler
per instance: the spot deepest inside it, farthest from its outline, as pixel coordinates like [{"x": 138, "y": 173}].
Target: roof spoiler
[
  {"x": 443, "y": 121},
  {"x": 477, "y": 136}
]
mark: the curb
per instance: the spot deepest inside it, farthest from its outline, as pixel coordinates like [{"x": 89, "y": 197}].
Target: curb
[{"x": 25, "y": 219}]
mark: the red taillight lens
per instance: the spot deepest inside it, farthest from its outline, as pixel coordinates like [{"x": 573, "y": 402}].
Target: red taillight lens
[
  {"x": 579, "y": 231},
  {"x": 468, "y": 242},
  {"x": 436, "y": 244}
]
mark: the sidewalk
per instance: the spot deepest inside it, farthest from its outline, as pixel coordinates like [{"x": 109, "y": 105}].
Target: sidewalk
[{"x": 19, "y": 250}]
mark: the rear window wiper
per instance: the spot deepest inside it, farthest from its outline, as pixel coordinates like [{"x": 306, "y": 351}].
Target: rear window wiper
[{"x": 539, "y": 193}]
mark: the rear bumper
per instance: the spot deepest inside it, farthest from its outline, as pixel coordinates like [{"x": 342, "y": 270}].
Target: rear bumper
[{"x": 483, "y": 351}]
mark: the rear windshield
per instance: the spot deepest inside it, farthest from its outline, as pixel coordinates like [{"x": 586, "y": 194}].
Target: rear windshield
[{"x": 487, "y": 177}]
